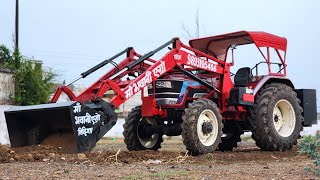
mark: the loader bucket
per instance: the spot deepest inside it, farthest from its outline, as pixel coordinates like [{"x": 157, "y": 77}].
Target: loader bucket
[{"x": 73, "y": 126}]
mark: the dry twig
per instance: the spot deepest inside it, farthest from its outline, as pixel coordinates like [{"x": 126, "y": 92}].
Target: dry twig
[
  {"x": 182, "y": 158},
  {"x": 115, "y": 156}
]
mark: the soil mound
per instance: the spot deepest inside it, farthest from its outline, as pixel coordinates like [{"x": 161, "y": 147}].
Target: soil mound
[{"x": 66, "y": 142}]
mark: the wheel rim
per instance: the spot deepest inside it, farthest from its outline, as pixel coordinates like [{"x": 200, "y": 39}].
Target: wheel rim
[
  {"x": 152, "y": 140},
  {"x": 284, "y": 118},
  {"x": 208, "y": 138}
]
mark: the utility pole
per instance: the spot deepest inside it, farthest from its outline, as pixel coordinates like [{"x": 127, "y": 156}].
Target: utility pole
[{"x": 17, "y": 24}]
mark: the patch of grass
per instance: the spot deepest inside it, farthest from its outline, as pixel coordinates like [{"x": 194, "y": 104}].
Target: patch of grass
[
  {"x": 246, "y": 138},
  {"x": 209, "y": 157},
  {"x": 310, "y": 145},
  {"x": 109, "y": 140},
  {"x": 160, "y": 174}
]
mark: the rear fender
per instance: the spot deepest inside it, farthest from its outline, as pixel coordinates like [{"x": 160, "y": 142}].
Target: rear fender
[{"x": 271, "y": 79}]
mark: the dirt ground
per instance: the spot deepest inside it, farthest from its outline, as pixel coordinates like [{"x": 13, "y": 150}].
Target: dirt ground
[{"x": 111, "y": 160}]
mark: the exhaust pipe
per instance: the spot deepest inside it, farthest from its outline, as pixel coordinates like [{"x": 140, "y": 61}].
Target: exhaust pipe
[{"x": 74, "y": 126}]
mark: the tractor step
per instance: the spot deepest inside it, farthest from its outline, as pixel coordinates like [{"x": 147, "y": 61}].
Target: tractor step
[{"x": 74, "y": 126}]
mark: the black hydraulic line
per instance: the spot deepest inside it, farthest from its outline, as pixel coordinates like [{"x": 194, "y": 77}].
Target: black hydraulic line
[
  {"x": 192, "y": 76},
  {"x": 115, "y": 65},
  {"x": 103, "y": 63},
  {"x": 149, "y": 54}
]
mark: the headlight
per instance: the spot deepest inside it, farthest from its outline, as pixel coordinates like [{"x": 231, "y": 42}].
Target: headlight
[{"x": 163, "y": 84}]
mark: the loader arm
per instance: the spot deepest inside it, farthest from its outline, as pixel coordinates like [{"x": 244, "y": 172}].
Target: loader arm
[
  {"x": 177, "y": 57},
  {"x": 135, "y": 63},
  {"x": 98, "y": 88}
]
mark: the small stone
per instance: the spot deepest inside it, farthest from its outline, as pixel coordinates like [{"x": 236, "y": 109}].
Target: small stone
[
  {"x": 60, "y": 148},
  {"x": 100, "y": 175},
  {"x": 52, "y": 155},
  {"x": 81, "y": 156},
  {"x": 188, "y": 169},
  {"x": 274, "y": 157},
  {"x": 150, "y": 161},
  {"x": 63, "y": 158},
  {"x": 45, "y": 160},
  {"x": 59, "y": 172},
  {"x": 11, "y": 159},
  {"x": 56, "y": 176},
  {"x": 265, "y": 167},
  {"x": 152, "y": 170},
  {"x": 11, "y": 151},
  {"x": 30, "y": 157},
  {"x": 86, "y": 162}
]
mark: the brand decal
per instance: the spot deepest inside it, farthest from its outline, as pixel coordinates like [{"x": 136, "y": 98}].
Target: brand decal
[
  {"x": 84, "y": 120},
  {"x": 177, "y": 56},
  {"x": 145, "y": 80},
  {"x": 201, "y": 63}
]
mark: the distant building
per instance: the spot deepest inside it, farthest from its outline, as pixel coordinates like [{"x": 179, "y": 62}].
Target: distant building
[
  {"x": 7, "y": 86},
  {"x": 71, "y": 86},
  {"x": 64, "y": 97},
  {"x": 124, "y": 109}
]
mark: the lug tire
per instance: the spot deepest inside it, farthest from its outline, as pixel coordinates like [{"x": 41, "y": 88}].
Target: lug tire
[
  {"x": 263, "y": 118},
  {"x": 190, "y": 127},
  {"x": 130, "y": 133}
]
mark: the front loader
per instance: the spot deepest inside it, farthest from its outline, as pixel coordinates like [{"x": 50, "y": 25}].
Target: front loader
[{"x": 190, "y": 92}]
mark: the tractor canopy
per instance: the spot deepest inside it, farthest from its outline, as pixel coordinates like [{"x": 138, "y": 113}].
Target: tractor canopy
[{"x": 217, "y": 46}]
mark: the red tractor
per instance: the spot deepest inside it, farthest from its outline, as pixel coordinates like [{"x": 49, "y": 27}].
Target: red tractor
[{"x": 188, "y": 92}]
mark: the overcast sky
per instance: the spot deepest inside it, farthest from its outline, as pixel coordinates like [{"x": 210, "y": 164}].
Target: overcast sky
[{"x": 70, "y": 36}]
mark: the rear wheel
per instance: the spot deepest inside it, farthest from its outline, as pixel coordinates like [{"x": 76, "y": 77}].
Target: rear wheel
[
  {"x": 276, "y": 118},
  {"x": 135, "y": 136},
  {"x": 202, "y": 127}
]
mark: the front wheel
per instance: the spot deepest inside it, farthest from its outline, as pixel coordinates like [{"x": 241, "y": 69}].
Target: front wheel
[
  {"x": 276, "y": 118},
  {"x": 135, "y": 136},
  {"x": 202, "y": 127}
]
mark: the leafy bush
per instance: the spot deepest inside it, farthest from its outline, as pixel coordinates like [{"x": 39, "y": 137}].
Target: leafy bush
[
  {"x": 33, "y": 83},
  {"x": 310, "y": 145}
]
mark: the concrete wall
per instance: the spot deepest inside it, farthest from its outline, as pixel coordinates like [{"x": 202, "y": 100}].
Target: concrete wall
[
  {"x": 6, "y": 86},
  {"x": 128, "y": 105}
]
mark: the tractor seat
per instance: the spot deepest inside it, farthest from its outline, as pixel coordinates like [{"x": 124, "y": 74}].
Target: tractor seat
[{"x": 242, "y": 77}]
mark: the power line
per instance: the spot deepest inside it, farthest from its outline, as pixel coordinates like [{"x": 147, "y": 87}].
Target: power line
[
  {"x": 59, "y": 56},
  {"x": 37, "y": 51}
]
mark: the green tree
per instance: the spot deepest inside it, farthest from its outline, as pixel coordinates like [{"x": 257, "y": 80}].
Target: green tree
[{"x": 33, "y": 83}]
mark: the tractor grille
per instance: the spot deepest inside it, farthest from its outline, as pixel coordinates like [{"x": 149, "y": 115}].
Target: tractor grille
[{"x": 167, "y": 91}]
